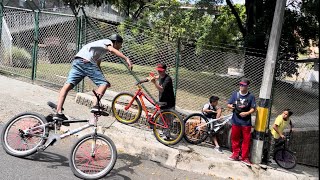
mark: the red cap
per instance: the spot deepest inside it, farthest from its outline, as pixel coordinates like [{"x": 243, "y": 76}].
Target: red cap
[
  {"x": 161, "y": 67},
  {"x": 244, "y": 82}
]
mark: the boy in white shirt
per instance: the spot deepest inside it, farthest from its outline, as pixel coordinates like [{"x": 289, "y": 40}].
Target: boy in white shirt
[{"x": 87, "y": 63}]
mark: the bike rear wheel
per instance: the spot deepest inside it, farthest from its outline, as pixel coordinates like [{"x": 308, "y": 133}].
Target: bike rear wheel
[
  {"x": 86, "y": 163},
  {"x": 193, "y": 133},
  {"x": 18, "y": 143},
  {"x": 285, "y": 159},
  {"x": 129, "y": 115},
  {"x": 174, "y": 133}
]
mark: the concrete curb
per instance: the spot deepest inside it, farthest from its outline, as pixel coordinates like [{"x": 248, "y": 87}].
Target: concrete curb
[{"x": 183, "y": 156}]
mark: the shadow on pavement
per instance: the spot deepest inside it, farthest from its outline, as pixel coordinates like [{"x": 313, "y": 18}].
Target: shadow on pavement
[
  {"x": 128, "y": 162},
  {"x": 56, "y": 159}
]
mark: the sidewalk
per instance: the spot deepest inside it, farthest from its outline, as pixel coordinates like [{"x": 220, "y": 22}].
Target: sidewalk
[{"x": 141, "y": 142}]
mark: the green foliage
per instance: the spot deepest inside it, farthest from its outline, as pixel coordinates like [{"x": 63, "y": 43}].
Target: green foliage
[{"x": 20, "y": 57}]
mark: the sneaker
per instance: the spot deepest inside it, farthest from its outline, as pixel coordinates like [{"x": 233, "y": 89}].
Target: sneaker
[
  {"x": 59, "y": 117},
  {"x": 246, "y": 162},
  {"x": 218, "y": 149},
  {"x": 234, "y": 158}
]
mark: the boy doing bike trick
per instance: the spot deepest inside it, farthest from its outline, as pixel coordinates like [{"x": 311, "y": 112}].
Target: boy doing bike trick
[{"x": 87, "y": 63}]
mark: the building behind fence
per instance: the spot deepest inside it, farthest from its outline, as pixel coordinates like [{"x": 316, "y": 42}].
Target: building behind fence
[{"x": 41, "y": 45}]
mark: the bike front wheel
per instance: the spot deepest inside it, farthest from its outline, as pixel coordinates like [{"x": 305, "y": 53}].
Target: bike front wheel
[
  {"x": 173, "y": 133},
  {"x": 126, "y": 108},
  {"x": 24, "y": 133},
  {"x": 93, "y": 156},
  {"x": 285, "y": 159},
  {"x": 196, "y": 130}
]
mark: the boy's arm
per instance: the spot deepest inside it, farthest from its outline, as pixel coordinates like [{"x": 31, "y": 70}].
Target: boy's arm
[
  {"x": 219, "y": 111},
  {"x": 119, "y": 54},
  {"x": 275, "y": 127}
]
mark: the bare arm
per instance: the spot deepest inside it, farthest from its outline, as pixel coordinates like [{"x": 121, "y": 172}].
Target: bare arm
[
  {"x": 219, "y": 111},
  {"x": 160, "y": 88},
  {"x": 275, "y": 127},
  {"x": 119, "y": 54}
]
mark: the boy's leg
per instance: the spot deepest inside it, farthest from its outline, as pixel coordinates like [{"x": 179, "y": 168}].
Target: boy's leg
[
  {"x": 235, "y": 141},
  {"x": 62, "y": 96},
  {"x": 246, "y": 134},
  {"x": 96, "y": 75},
  {"x": 215, "y": 141},
  {"x": 76, "y": 74}
]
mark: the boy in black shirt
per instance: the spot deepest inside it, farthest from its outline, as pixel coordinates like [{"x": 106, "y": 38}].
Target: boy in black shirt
[{"x": 165, "y": 87}]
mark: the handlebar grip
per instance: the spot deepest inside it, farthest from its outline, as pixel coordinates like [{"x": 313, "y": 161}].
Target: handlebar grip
[{"x": 142, "y": 81}]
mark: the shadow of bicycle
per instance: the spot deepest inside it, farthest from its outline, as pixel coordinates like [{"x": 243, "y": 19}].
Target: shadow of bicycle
[{"x": 55, "y": 159}]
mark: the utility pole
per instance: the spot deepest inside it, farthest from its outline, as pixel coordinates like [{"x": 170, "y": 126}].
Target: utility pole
[{"x": 267, "y": 80}]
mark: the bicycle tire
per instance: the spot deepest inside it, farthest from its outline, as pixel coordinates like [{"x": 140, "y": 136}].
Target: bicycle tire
[
  {"x": 193, "y": 135},
  {"x": 285, "y": 158},
  {"x": 175, "y": 131},
  {"x": 126, "y": 116},
  {"x": 22, "y": 149},
  {"x": 77, "y": 171}
]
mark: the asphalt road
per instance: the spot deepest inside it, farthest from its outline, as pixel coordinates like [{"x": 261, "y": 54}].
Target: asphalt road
[{"x": 54, "y": 164}]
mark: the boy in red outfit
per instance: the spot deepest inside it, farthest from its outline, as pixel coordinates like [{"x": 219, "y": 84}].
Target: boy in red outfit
[{"x": 243, "y": 104}]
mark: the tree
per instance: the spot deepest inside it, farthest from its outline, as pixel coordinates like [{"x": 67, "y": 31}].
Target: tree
[{"x": 299, "y": 27}]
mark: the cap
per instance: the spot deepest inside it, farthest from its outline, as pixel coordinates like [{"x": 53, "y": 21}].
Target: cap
[
  {"x": 116, "y": 37},
  {"x": 161, "y": 67},
  {"x": 244, "y": 81}
]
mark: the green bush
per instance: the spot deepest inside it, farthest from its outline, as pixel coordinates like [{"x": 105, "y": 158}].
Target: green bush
[{"x": 20, "y": 57}]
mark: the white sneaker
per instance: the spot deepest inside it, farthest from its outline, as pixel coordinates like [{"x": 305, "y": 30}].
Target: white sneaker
[{"x": 218, "y": 149}]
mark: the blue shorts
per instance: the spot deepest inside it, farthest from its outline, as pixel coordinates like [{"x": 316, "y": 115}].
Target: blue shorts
[{"x": 81, "y": 69}]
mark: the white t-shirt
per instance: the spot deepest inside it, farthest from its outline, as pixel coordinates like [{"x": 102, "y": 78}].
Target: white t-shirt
[{"x": 94, "y": 51}]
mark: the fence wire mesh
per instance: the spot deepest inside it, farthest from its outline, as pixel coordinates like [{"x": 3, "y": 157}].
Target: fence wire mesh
[
  {"x": 17, "y": 41},
  {"x": 198, "y": 72}
]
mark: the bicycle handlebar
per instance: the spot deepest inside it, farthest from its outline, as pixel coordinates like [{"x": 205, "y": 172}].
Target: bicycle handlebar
[{"x": 142, "y": 81}]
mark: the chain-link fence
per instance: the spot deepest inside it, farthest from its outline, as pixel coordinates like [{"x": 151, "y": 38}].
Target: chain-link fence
[{"x": 41, "y": 46}]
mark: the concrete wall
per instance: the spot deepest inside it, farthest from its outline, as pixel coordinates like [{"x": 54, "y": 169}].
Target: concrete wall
[{"x": 304, "y": 142}]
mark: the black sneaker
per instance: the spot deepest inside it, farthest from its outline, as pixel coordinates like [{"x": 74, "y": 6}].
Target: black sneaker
[{"x": 59, "y": 117}]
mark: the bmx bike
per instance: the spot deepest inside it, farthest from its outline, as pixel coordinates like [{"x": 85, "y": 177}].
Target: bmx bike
[
  {"x": 167, "y": 125},
  {"x": 92, "y": 157}
]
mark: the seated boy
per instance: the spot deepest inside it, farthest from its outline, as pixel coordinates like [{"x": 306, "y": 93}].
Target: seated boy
[{"x": 212, "y": 111}]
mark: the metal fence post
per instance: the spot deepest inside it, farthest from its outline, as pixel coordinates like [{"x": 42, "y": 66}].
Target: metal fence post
[
  {"x": 1, "y": 16},
  {"x": 79, "y": 36},
  {"x": 177, "y": 68},
  {"x": 35, "y": 46}
]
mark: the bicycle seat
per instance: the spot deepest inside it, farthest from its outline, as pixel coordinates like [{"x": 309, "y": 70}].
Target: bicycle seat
[{"x": 161, "y": 103}]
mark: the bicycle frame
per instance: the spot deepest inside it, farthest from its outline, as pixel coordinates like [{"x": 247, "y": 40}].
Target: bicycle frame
[
  {"x": 140, "y": 94},
  {"x": 227, "y": 118},
  {"x": 91, "y": 123}
]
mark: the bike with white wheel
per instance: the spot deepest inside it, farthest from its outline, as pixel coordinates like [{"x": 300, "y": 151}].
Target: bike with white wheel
[{"x": 92, "y": 156}]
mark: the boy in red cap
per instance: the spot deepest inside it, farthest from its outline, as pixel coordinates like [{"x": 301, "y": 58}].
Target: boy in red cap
[
  {"x": 243, "y": 104},
  {"x": 165, "y": 87}
]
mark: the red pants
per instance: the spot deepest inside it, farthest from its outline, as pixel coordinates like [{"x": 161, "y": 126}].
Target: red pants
[{"x": 236, "y": 134}]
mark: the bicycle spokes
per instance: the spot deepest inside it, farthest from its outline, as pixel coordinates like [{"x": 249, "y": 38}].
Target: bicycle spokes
[
  {"x": 91, "y": 157},
  {"x": 168, "y": 128},
  {"x": 125, "y": 108},
  {"x": 24, "y": 134}
]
